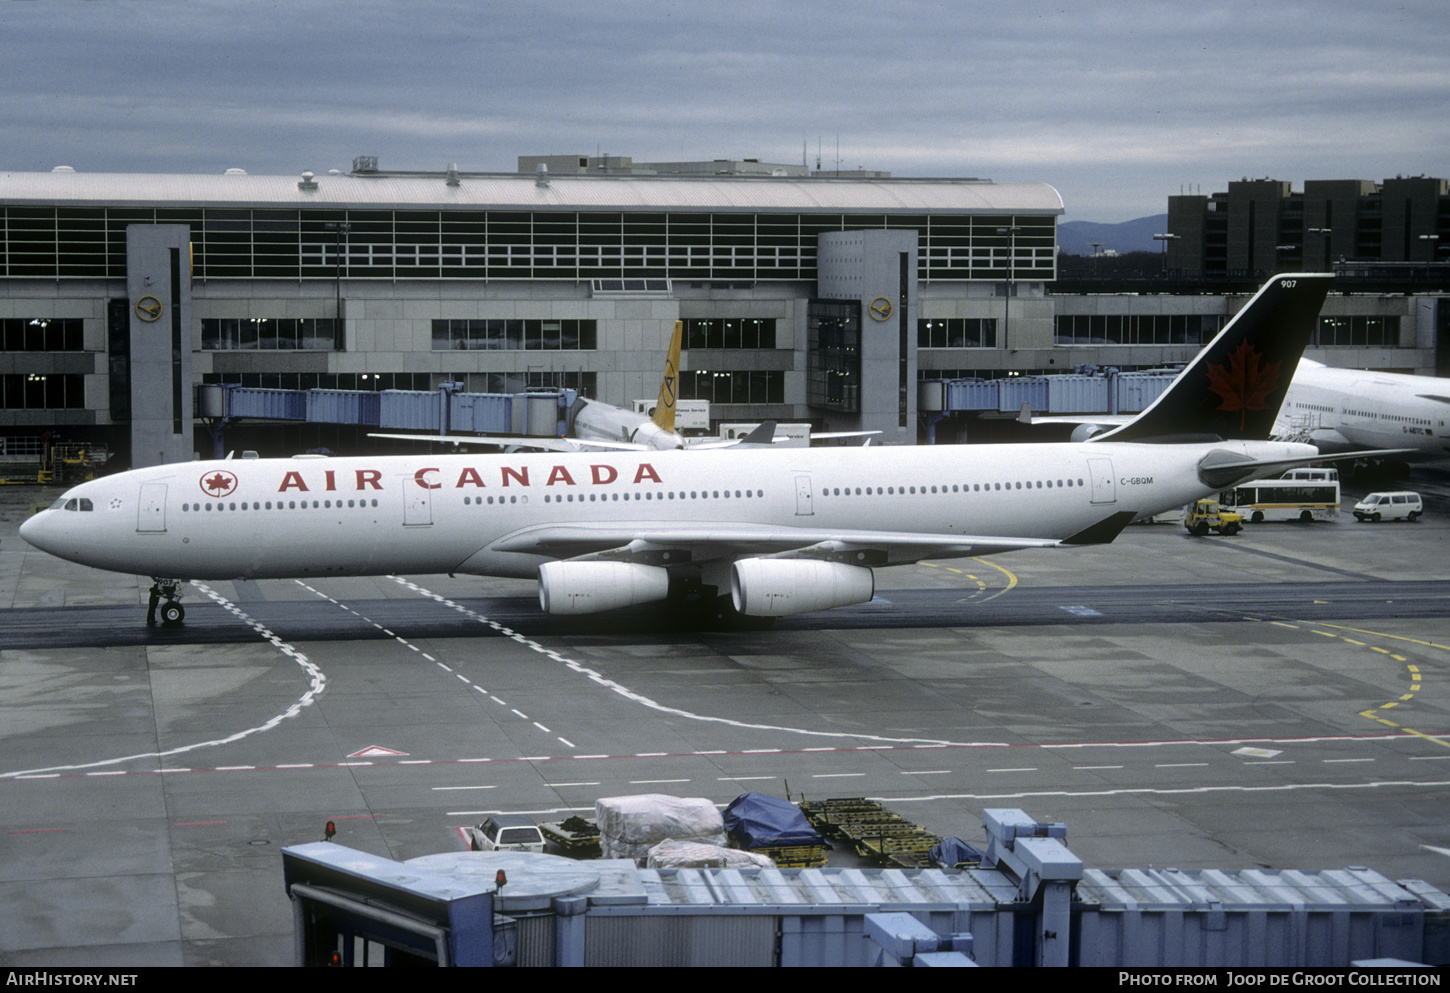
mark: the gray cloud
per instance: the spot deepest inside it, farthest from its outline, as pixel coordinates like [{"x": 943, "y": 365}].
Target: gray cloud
[{"x": 1118, "y": 105}]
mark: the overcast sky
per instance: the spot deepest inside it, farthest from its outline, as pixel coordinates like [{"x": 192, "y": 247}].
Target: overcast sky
[{"x": 1117, "y": 103}]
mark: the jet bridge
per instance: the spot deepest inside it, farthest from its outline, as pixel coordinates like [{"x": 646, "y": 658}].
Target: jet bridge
[
  {"x": 446, "y": 410},
  {"x": 1031, "y": 902}
]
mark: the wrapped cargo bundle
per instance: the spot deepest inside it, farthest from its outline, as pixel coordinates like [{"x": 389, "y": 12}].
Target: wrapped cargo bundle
[
  {"x": 672, "y": 854},
  {"x": 629, "y": 826}
]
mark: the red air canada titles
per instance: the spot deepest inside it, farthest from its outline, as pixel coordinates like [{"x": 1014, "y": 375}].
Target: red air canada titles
[{"x": 432, "y": 478}]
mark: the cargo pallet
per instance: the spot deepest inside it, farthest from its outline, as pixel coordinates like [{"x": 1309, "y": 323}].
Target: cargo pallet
[
  {"x": 872, "y": 830},
  {"x": 794, "y": 856}
]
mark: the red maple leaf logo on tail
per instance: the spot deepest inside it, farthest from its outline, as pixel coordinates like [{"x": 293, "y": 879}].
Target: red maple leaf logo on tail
[{"x": 1244, "y": 382}]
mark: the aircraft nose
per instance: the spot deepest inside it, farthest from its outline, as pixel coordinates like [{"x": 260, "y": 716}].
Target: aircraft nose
[
  {"x": 39, "y": 531},
  {"x": 33, "y": 530}
]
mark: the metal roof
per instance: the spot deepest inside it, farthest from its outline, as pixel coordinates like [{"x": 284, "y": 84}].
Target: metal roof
[
  {"x": 1354, "y": 888},
  {"x": 508, "y": 191}
]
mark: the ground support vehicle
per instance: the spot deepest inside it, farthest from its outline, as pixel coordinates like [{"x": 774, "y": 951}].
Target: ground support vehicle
[
  {"x": 1203, "y": 516},
  {"x": 577, "y": 837}
]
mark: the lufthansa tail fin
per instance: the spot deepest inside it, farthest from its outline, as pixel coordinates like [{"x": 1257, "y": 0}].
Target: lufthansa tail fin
[
  {"x": 664, "y": 415},
  {"x": 1234, "y": 387}
]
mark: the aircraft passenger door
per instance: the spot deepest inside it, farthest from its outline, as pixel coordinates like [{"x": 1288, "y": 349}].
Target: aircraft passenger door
[
  {"x": 1100, "y": 472},
  {"x": 151, "y": 512},
  {"x": 803, "y": 504},
  {"x": 417, "y": 504}
]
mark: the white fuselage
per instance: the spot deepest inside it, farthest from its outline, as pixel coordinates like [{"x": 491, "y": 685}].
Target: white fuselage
[
  {"x": 597, "y": 421},
  {"x": 1344, "y": 409},
  {"x": 275, "y": 518}
]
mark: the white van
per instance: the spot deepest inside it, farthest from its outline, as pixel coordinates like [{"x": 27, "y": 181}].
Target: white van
[{"x": 1403, "y": 505}]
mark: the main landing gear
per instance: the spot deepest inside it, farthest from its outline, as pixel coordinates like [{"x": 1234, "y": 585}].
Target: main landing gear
[{"x": 172, "y": 612}]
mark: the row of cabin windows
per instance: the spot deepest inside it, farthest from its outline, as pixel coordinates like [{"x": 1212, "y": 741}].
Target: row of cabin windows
[
  {"x": 1375, "y": 415},
  {"x": 954, "y": 488},
  {"x": 649, "y": 495},
  {"x": 281, "y": 505}
]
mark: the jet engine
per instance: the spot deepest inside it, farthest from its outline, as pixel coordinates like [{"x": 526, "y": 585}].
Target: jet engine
[
  {"x": 589, "y": 587},
  {"x": 779, "y": 587},
  {"x": 1083, "y": 432}
]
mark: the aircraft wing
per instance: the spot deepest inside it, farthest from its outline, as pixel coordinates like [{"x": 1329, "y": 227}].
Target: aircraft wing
[
  {"x": 823, "y": 435},
  {"x": 679, "y": 543}
]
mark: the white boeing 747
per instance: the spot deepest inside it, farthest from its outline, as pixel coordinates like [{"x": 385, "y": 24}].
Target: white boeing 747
[
  {"x": 760, "y": 532},
  {"x": 1339, "y": 410}
]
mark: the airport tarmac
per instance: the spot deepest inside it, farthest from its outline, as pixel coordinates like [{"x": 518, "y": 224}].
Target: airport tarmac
[{"x": 1279, "y": 699}]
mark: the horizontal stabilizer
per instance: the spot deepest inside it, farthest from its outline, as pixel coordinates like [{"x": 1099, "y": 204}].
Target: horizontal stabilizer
[
  {"x": 1104, "y": 531},
  {"x": 1220, "y": 469}
]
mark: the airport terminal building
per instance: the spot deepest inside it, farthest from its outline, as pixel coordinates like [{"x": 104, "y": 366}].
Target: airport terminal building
[{"x": 817, "y": 298}]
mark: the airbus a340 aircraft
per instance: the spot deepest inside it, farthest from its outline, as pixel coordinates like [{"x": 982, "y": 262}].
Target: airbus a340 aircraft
[{"x": 768, "y": 532}]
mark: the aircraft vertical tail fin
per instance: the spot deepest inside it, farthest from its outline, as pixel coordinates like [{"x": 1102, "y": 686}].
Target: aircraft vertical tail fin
[
  {"x": 664, "y": 415},
  {"x": 1234, "y": 387}
]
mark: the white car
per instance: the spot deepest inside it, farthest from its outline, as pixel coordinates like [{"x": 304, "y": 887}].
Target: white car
[
  {"x": 507, "y": 833},
  {"x": 1402, "y": 505}
]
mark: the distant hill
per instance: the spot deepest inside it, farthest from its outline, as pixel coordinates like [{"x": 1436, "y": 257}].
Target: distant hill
[{"x": 1075, "y": 237}]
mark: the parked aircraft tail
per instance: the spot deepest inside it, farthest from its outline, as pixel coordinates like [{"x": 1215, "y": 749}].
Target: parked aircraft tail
[
  {"x": 664, "y": 415},
  {"x": 1235, "y": 386}
]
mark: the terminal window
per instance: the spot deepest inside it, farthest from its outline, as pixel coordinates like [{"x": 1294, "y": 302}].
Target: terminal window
[
  {"x": 265, "y": 333},
  {"x": 1137, "y": 329},
  {"x": 41, "y": 334},
  {"x": 35, "y": 391},
  {"x": 757, "y": 386},
  {"x": 957, "y": 332},
  {"x": 1361, "y": 330},
  {"x": 729, "y": 332},
  {"x": 509, "y": 334}
]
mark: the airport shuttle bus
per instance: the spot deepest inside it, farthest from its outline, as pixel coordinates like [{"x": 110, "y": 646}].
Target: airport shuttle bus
[{"x": 1300, "y": 495}]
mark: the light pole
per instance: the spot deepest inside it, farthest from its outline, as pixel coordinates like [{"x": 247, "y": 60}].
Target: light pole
[
  {"x": 1097, "y": 247},
  {"x": 1165, "y": 239}
]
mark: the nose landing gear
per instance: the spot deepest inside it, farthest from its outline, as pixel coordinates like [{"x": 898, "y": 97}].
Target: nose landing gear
[{"x": 172, "y": 612}]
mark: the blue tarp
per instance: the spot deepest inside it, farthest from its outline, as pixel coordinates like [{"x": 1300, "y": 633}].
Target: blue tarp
[
  {"x": 755, "y": 820},
  {"x": 954, "y": 851}
]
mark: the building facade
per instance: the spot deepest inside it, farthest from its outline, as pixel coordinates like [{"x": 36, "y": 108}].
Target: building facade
[
  {"x": 824, "y": 299},
  {"x": 502, "y": 283},
  {"x": 1262, "y": 225}
]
